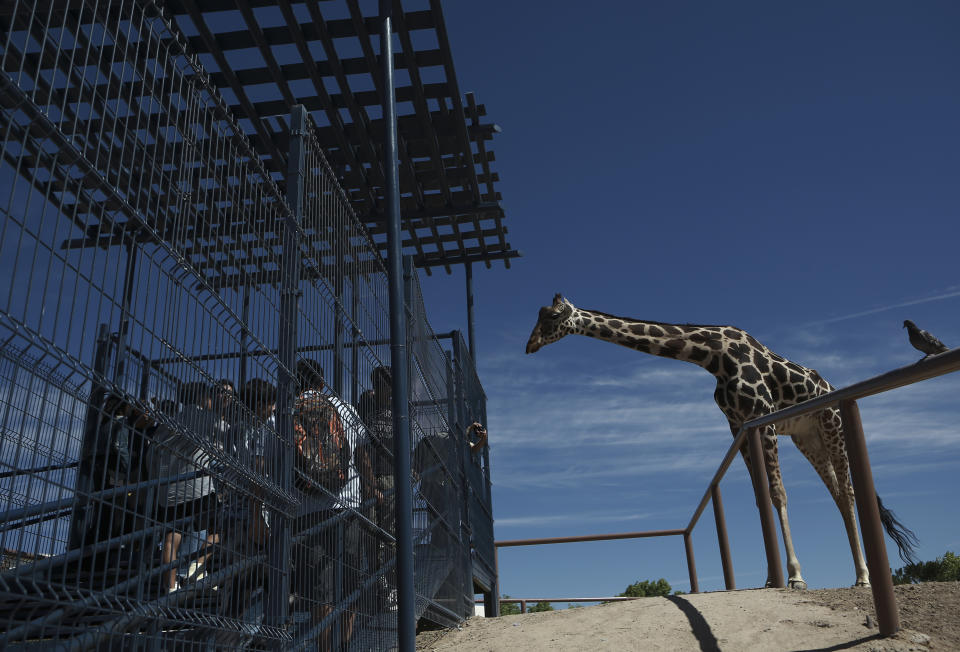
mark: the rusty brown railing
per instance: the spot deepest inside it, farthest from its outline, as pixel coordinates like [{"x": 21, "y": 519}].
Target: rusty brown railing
[
  {"x": 861, "y": 477},
  {"x": 523, "y": 601}
]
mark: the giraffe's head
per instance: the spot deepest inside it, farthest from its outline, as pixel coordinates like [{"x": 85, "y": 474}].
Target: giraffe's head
[{"x": 552, "y": 324}]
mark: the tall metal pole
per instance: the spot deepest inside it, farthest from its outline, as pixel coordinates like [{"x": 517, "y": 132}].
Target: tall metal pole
[
  {"x": 762, "y": 490},
  {"x": 338, "y": 322},
  {"x": 354, "y": 342},
  {"x": 244, "y": 340},
  {"x": 691, "y": 563},
  {"x": 874, "y": 547},
  {"x": 79, "y": 520},
  {"x": 278, "y": 587},
  {"x": 728, "y": 577},
  {"x": 125, "y": 315},
  {"x": 406, "y": 615},
  {"x": 468, "y": 268}
]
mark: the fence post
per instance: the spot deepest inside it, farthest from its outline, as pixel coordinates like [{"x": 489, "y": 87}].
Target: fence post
[
  {"x": 729, "y": 580},
  {"x": 278, "y": 588},
  {"x": 79, "y": 520},
  {"x": 691, "y": 563},
  {"x": 523, "y": 606},
  {"x": 403, "y": 497},
  {"x": 881, "y": 582},
  {"x": 471, "y": 339},
  {"x": 761, "y": 488}
]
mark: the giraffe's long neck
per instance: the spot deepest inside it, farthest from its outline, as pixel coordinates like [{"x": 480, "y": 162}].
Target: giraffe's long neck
[{"x": 704, "y": 346}]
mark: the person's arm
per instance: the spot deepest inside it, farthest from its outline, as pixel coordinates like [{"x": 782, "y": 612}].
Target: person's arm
[{"x": 481, "y": 433}]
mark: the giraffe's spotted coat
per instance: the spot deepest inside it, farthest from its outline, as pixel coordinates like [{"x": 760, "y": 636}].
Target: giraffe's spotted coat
[{"x": 752, "y": 381}]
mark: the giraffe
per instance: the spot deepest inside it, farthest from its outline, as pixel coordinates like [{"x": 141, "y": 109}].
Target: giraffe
[{"x": 752, "y": 381}]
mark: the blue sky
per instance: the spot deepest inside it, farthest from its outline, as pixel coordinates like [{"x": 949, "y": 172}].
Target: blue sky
[{"x": 787, "y": 168}]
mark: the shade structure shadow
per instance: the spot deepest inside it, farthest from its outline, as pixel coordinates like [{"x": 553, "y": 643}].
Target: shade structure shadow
[{"x": 698, "y": 624}]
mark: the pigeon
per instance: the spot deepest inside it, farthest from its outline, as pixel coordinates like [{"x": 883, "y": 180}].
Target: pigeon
[{"x": 923, "y": 341}]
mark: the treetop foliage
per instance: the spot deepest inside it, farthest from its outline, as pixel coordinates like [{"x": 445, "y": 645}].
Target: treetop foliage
[
  {"x": 540, "y": 606},
  {"x": 647, "y": 589},
  {"x": 509, "y": 608},
  {"x": 942, "y": 569}
]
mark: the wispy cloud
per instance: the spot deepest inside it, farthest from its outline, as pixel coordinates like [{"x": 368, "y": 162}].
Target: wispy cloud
[{"x": 951, "y": 293}]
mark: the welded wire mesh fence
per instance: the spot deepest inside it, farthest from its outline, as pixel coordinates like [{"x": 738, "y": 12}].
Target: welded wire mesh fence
[{"x": 196, "y": 444}]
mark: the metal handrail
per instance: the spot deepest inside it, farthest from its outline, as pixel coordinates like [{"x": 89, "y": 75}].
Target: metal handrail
[
  {"x": 925, "y": 369},
  {"x": 861, "y": 476}
]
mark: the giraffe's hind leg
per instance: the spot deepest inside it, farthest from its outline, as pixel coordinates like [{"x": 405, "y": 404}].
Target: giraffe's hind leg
[{"x": 823, "y": 447}]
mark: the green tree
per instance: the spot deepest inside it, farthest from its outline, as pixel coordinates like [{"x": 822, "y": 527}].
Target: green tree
[
  {"x": 646, "y": 589},
  {"x": 942, "y": 569},
  {"x": 540, "y": 606},
  {"x": 509, "y": 608}
]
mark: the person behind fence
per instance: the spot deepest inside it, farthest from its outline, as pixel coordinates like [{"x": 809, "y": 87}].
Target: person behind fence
[
  {"x": 244, "y": 523},
  {"x": 109, "y": 466},
  {"x": 326, "y": 431},
  {"x": 225, "y": 404},
  {"x": 431, "y": 459},
  {"x": 375, "y": 463},
  {"x": 183, "y": 452}
]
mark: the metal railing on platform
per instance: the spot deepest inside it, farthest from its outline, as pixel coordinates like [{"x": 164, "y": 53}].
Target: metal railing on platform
[{"x": 861, "y": 478}]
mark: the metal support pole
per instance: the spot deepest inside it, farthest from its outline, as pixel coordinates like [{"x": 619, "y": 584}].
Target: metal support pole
[
  {"x": 245, "y": 317},
  {"x": 691, "y": 563},
  {"x": 728, "y": 579},
  {"x": 523, "y": 606},
  {"x": 84, "y": 482},
  {"x": 125, "y": 315},
  {"x": 881, "y": 582},
  {"x": 278, "y": 587},
  {"x": 354, "y": 348},
  {"x": 338, "y": 322},
  {"x": 403, "y": 496},
  {"x": 468, "y": 268},
  {"x": 495, "y": 593},
  {"x": 761, "y": 488}
]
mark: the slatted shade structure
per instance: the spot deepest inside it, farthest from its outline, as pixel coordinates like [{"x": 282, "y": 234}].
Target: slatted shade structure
[{"x": 264, "y": 56}]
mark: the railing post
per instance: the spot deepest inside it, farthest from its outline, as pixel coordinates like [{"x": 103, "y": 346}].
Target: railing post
[
  {"x": 523, "y": 606},
  {"x": 761, "y": 488},
  {"x": 691, "y": 564},
  {"x": 881, "y": 582},
  {"x": 403, "y": 487},
  {"x": 728, "y": 579}
]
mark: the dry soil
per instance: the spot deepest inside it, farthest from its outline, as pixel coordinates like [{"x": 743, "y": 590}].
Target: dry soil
[{"x": 761, "y": 620}]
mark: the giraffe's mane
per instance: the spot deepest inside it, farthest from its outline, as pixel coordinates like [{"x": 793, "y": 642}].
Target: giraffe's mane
[{"x": 661, "y": 323}]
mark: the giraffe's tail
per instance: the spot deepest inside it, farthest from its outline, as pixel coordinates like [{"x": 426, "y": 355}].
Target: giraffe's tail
[{"x": 905, "y": 539}]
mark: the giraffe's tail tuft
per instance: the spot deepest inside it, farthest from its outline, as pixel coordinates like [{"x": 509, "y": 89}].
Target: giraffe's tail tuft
[{"x": 905, "y": 539}]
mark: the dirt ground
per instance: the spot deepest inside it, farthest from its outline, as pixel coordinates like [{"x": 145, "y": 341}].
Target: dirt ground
[{"x": 760, "y": 620}]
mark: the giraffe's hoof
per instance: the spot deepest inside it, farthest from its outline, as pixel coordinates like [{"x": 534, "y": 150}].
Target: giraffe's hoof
[
  {"x": 800, "y": 585},
  {"x": 861, "y": 583}
]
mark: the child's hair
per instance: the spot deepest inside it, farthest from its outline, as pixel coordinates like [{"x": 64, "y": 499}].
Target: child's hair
[
  {"x": 309, "y": 374},
  {"x": 380, "y": 376},
  {"x": 195, "y": 393},
  {"x": 259, "y": 393}
]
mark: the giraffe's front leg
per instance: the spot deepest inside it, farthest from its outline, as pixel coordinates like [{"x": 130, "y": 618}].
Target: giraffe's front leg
[
  {"x": 778, "y": 496},
  {"x": 795, "y": 580}
]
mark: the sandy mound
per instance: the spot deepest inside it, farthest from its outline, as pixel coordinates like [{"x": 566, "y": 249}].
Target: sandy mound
[{"x": 761, "y": 620}]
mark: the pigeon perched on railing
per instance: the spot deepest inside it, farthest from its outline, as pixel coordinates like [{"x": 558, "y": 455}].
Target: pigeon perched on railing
[{"x": 923, "y": 341}]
